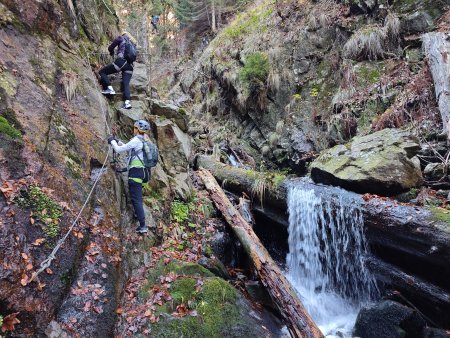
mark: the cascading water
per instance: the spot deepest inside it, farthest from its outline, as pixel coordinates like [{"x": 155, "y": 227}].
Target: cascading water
[{"x": 327, "y": 250}]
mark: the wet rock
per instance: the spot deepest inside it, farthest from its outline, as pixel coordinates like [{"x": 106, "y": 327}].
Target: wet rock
[
  {"x": 388, "y": 319},
  {"x": 417, "y": 22},
  {"x": 382, "y": 163},
  {"x": 434, "y": 171},
  {"x": 169, "y": 111},
  {"x": 215, "y": 266},
  {"x": 430, "y": 332}
]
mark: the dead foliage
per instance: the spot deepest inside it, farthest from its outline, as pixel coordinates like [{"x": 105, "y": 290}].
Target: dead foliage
[{"x": 412, "y": 104}]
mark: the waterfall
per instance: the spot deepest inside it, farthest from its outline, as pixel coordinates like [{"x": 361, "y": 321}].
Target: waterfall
[{"x": 327, "y": 251}]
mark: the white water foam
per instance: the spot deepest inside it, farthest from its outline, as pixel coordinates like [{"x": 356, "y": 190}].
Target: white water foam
[{"x": 325, "y": 263}]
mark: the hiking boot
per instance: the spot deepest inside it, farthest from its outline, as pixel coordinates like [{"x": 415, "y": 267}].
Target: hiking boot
[
  {"x": 126, "y": 104},
  {"x": 108, "y": 91},
  {"x": 141, "y": 229}
]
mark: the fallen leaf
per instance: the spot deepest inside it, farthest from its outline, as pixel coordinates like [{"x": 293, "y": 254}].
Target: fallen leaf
[
  {"x": 73, "y": 320},
  {"x": 87, "y": 306},
  {"x": 41, "y": 286},
  {"x": 24, "y": 280},
  {"x": 31, "y": 220},
  {"x": 49, "y": 271},
  {"x": 9, "y": 321},
  {"x": 119, "y": 311},
  {"x": 24, "y": 255},
  {"x": 44, "y": 212},
  {"x": 29, "y": 266},
  {"x": 147, "y": 313},
  {"x": 38, "y": 242}
]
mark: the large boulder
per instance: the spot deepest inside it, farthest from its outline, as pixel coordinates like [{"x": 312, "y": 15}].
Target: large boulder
[
  {"x": 169, "y": 111},
  {"x": 388, "y": 319},
  {"x": 127, "y": 117},
  {"x": 382, "y": 163}
]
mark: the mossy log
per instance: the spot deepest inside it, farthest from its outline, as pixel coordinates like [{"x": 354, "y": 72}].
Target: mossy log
[
  {"x": 272, "y": 191},
  {"x": 297, "y": 319}
]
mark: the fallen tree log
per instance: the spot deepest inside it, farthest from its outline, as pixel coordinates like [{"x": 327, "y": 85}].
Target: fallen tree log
[
  {"x": 432, "y": 301},
  {"x": 297, "y": 319},
  {"x": 267, "y": 188}
]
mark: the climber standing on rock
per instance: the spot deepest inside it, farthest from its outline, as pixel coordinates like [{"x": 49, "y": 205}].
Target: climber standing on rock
[
  {"x": 142, "y": 155},
  {"x": 126, "y": 55}
]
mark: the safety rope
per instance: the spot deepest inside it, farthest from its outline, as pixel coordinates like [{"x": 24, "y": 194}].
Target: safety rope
[{"x": 46, "y": 263}]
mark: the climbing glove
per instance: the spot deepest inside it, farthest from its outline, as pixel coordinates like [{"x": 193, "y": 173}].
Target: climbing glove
[{"x": 110, "y": 139}]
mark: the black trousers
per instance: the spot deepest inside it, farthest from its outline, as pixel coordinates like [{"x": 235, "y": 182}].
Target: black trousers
[
  {"x": 136, "y": 191},
  {"x": 119, "y": 65}
]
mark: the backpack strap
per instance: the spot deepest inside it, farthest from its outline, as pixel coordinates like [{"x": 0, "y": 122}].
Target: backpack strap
[{"x": 120, "y": 68}]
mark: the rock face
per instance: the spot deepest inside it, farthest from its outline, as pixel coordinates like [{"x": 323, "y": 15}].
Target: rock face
[
  {"x": 382, "y": 163},
  {"x": 388, "y": 319},
  {"x": 313, "y": 96},
  {"x": 175, "y": 150}
]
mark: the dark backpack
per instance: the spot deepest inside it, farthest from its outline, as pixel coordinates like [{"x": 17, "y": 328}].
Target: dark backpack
[{"x": 130, "y": 52}]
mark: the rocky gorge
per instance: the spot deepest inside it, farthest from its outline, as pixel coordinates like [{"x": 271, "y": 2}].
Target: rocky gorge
[{"x": 351, "y": 93}]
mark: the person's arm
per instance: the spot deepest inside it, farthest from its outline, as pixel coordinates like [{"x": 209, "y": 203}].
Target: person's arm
[
  {"x": 114, "y": 44},
  {"x": 124, "y": 147}
]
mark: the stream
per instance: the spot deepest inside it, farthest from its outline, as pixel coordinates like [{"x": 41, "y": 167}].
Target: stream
[{"x": 326, "y": 259}]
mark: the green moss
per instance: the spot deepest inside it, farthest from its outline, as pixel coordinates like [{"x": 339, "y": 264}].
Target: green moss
[
  {"x": 368, "y": 73},
  {"x": 7, "y": 129},
  {"x": 441, "y": 214},
  {"x": 217, "y": 313},
  {"x": 188, "y": 269},
  {"x": 45, "y": 208},
  {"x": 183, "y": 290},
  {"x": 178, "y": 267}
]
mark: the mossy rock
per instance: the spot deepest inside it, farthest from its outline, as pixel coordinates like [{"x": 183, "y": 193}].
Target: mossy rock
[
  {"x": 179, "y": 268},
  {"x": 217, "y": 312},
  {"x": 441, "y": 215},
  {"x": 383, "y": 163}
]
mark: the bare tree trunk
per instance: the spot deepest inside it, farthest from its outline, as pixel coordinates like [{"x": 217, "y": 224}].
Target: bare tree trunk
[
  {"x": 295, "y": 315},
  {"x": 213, "y": 16},
  {"x": 437, "y": 49}
]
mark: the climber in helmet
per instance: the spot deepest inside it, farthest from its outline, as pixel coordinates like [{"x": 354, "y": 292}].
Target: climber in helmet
[
  {"x": 138, "y": 174},
  {"x": 126, "y": 55}
]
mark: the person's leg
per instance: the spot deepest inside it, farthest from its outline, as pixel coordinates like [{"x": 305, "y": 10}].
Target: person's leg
[
  {"x": 127, "y": 73},
  {"x": 104, "y": 72},
  {"x": 136, "y": 201},
  {"x": 136, "y": 195}
]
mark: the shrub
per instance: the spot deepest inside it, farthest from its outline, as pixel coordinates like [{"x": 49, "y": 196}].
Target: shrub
[
  {"x": 179, "y": 211},
  {"x": 255, "y": 70}
]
